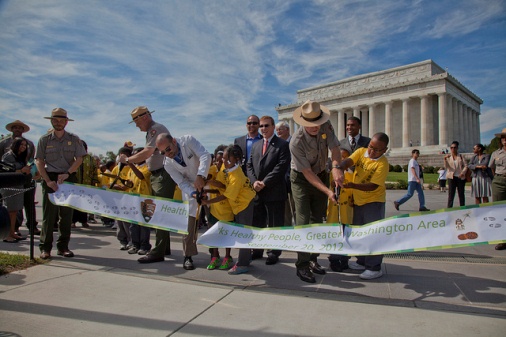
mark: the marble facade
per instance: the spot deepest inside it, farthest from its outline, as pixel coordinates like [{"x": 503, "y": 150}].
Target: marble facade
[{"x": 418, "y": 104}]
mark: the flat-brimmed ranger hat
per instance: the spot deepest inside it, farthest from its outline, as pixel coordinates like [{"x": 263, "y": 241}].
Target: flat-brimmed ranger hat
[
  {"x": 311, "y": 114},
  {"x": 502, "y": 134},
  {"x": 59, "y": 113},
  {"x": 139, "y": 112},
  {"x": 25, "y": 127}
]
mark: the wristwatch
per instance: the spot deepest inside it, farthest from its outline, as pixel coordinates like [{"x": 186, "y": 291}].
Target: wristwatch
[
  {"x": 126, "y": 161},
  {"x": 339, "y": 167}
]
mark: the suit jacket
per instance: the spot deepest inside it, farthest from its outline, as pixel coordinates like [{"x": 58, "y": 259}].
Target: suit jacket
[
  {"x": 452, "y": 166},
  {"x": 362, "y": 142},
  {"x": 241, "y": 141},
  {"x": 270, "y": 168}
]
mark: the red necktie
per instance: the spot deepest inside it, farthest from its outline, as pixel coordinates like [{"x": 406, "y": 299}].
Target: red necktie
[{"x": 266, "y": 143}]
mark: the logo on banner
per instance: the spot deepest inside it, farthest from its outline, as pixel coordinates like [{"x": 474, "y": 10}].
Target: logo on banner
[{"x": 148, "y": 209}]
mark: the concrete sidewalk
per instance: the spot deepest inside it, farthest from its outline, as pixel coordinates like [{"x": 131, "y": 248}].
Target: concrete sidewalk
[{"x": 103, "y": 290}]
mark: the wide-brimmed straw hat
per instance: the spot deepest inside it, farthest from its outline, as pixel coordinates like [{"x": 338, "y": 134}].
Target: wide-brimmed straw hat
[
  {"x": 59, "y": 113},
  {"x": 311, "y": 114},
  {"x": 139, "y": 111},
  {"x": 25, "y": 127},
  {"x": 502, "y": 134}
]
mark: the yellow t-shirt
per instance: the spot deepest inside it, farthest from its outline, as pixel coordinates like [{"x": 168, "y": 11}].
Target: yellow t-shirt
[
  {"x": 213, "y": 171},
  {"x": 141, "y": 186},
  {"x": 178, "y": 194},
  {"x": 238, "y": 191},
  {"x": 123, "y": 175},
  {"x": 221, "y": 210},
  {"x": 369, "y": 170},
  {"x": 345, "y": 203}
]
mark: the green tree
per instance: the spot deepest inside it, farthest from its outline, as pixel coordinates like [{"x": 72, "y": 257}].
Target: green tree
[{"x": 494, "y": 145}]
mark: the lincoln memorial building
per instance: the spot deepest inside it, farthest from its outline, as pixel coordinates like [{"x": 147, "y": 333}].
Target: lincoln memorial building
[{"x": 418, "y": 104}]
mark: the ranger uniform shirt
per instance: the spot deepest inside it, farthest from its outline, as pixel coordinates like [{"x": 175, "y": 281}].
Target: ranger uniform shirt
[
  {"x": 59, "y": 153},
  {"x": 312, "y": 152}
]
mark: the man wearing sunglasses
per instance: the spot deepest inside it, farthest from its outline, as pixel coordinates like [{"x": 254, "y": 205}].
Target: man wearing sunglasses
[
  {"x": 162, "y": 184},
  {"x": 247, "y": 141},
  {"x": 187, "y": 162}
]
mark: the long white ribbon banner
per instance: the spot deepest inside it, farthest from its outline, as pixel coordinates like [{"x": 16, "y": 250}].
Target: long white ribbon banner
[
  {"x": 144, "y": 210},
  {"x": 441, "y": 229}
]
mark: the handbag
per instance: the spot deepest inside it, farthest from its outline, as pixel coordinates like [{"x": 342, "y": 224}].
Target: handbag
[{"x": 469, "y": 178}]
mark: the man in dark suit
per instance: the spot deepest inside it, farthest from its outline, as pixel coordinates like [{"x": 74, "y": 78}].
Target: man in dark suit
[
  {"x": 247, "y": 141},
  {"x": 352, "y": 142},
  {"x": 266, "y": 170}
]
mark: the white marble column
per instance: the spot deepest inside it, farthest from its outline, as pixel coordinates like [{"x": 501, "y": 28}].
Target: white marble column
[
  {"x": 456, "y": 128},
  {"x": 388, "y": 123},
  {"x": 424, "y": 124},
  {"x": 467, "y": 128},
  {"x": 478, "y": 128},
  {"x": 334, "y": 121},
  {"x": 443, "y": 120},
  {"x": 405, "y": 123},
  {"x": 462, "y": 133},
  {"x": 449, "y": 113},
  {"x": 291, "y": 123},
  {"x": 341, "y": 125},
  {"x": 372, "y": 120},
  {"x": 356, "y": 111},
  {"x": 365, "y": 123}
]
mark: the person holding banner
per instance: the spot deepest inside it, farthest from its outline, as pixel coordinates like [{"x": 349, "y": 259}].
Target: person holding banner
[
  {"x": 162, "y": 185},
  {"x": 59, "y": 154},
  {"x": 309, "y": 148},
  {"x": 369, "y": 196},
  {"x": 187, "y": 162},
  {"x": 498, "y": 166}
]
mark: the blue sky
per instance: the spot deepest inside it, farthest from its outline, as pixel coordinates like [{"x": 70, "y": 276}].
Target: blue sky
[{"x": 204, "y": 66}]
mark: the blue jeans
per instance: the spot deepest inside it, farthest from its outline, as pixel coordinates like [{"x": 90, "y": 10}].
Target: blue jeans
[{"x": 412, "y": 187}]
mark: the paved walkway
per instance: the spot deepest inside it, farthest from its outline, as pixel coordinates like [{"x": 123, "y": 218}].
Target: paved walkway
[{"x": 104, "y": 291}]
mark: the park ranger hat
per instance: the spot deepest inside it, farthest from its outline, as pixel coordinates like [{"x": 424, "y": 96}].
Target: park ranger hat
[
  {"x": 139, "y": 111},
  {"x": 25, "y": 127},
  {"x": 59, "y": 113},
  {"x": 501, "y": 134},
  {"x": 311, "y": 114}
]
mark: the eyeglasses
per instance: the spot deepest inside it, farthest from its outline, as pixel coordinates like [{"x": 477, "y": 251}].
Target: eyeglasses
[
  {"x": 167, "y": 149},
  {"x": 264, "y": 125},
  {"x": 252, "y": 123},
  {"x": 453, "y": 147},
  {"x": 376, "y": 150}
]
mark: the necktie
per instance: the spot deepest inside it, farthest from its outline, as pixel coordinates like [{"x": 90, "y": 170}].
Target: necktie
[
  {"x": 264, "y": 149},
  {"x": 353, "y": 143}
]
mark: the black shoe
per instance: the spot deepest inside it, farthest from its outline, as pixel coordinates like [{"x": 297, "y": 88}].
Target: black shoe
[
  {"x": 306, "y": 275},
  {"x": 188, "y": 263},
  {"x": 65, "y": 253},
  {"x": 316, "y": 268},
  {"x": 338, "y": 266},
  {"x": 256, "y": 255},
  {"x": 396, "y": 205},
  {"x": 271, "y": 259},
  {"x": 423, "y": 209},
  {"x": 150, "y": 259}
]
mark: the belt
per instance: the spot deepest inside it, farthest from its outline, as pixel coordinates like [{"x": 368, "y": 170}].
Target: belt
[{"x": 501, "y": 175}]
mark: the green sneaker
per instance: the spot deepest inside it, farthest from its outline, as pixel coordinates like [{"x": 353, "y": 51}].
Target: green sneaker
[
  {"x": 214, "y": 263},
  {"x": 227, "y": 263}
]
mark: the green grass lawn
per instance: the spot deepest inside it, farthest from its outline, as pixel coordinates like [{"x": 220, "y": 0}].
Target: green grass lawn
[
  {"x": 12, "y": 262},
  {"x": 428, "y": 178}
]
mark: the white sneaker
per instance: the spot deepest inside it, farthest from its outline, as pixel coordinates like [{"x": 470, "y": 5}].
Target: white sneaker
[
  {"x": 371, "y": 274},
  {"x": 355, "y": 266}
]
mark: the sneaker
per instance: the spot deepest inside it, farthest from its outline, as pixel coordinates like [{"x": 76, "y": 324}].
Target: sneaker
[
  {"x": 226, "y": 263},
  {"x": 133, "y": 250},
  {"x": 214, "y": 263},
  {"x": 236, "y": 270},
  {"x": 371, "y": 274},
  {"x": 396, "y": 205},
  {"x": 355, "y": 266},
  {"x": 423, "y": 209},
  {"x": 123, "y": 247},
  {"x": 142, "y": 252},
  {"x": 188, "y": 263}
]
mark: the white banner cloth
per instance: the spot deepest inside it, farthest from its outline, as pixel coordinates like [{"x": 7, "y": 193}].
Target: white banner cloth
[
  {"x": 441, "y": 229},
  {"x": 144, "y": 210}
]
